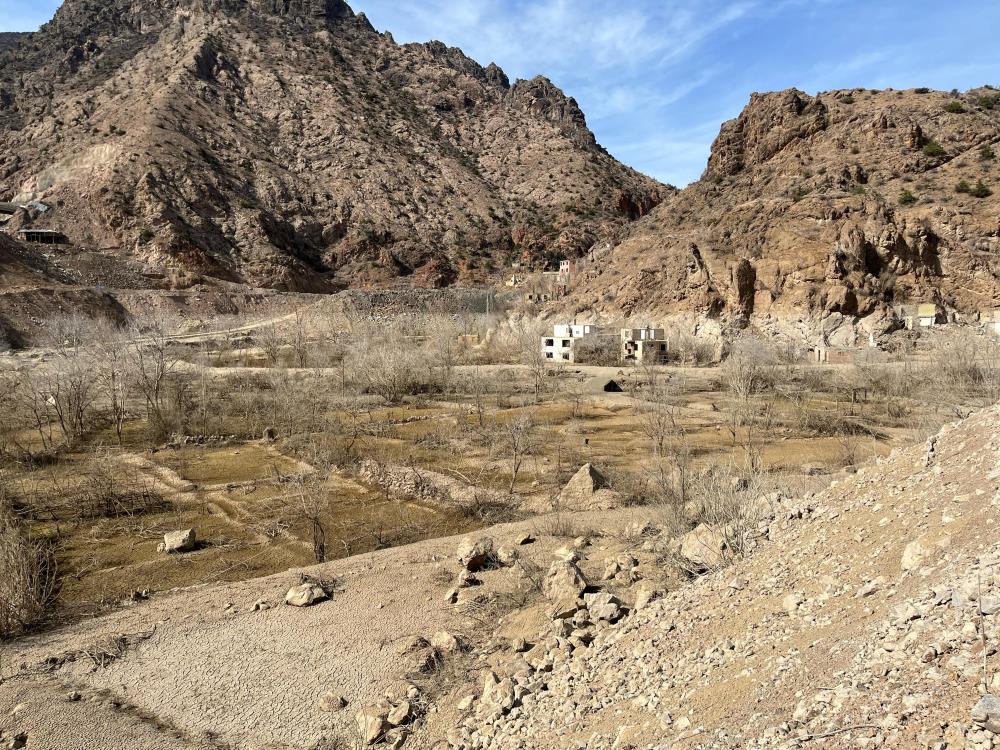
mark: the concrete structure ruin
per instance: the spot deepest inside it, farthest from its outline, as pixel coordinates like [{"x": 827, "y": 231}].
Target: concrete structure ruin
[
  {"x": 991, "y": 321},
  {"x": 42, "y": 236},
  {"x": 560, "y": 345},
  {"x": 644, "y": 345},
  {"x": 919, "y": 316}
]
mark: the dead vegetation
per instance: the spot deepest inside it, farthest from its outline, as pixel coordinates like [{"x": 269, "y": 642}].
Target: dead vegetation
[{"x": 114, "y": 437}]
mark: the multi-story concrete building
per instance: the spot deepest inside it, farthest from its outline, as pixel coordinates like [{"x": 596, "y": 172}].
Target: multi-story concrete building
[
  {"x": 560, "y": 345},
  {"x": 644, "y": 344}
]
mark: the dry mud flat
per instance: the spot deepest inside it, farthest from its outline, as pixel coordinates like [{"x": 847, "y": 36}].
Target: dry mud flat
[{"x": 859, "y": 621}]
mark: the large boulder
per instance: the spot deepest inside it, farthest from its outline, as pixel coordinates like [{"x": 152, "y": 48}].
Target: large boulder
[
  {"x": 475, "y": 554},
  {"x": 987, "y": 713},
  {"x": 564, "y": 581},
  {"x": 305, "y": 595},
  {"x": 373, "y": 723},
  {"x": 588, "y": 490},
  {"x": 704, "y": 548},
  {"x": 498, "y": 694},
  {"x": 179, "y": 541}
]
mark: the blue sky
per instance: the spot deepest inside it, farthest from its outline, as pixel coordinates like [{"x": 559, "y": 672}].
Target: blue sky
[{"x": 656, "y": 78}]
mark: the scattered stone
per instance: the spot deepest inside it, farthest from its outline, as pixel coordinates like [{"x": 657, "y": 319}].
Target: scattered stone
[
  {"x": 467, "y": 579},
  {"x": 332, "y": 702},
  {"x": 498, "y": 695},
  {"x": 178, "y": 541},
  {"x": 645, "y": 595},
  {"x": 986, "y": 713},
  {"x": 704, "y": 547},
  {"x": 791, "y": 604},
  {"x": 305, "y": 595},
  {"x": 475, "y": 554},
  {"x": 261, "y": 605},
  {"x": 400, "y": 714},
  {"x": 914, "y": 555},
  {"x": 446, "y": 643},
  {"x": 372, "y": 724},
  {"x": 563, "y": 581},
  {"x": 506, "y": 556},
  {"x": 603, "y": 606}
]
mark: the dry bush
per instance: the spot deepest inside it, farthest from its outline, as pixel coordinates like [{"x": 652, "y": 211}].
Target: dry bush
[
  {"x": 968, "y": 362},
  {"x": 111, "y": 489},
  {"x": 686, "y": 349},
  {"x": 27, "y": 574},
  {"x": 730, "y": 501},
  {"x": 604, "y": 351}
]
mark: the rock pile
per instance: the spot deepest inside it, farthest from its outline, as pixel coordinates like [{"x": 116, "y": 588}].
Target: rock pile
[{"x": 821, "y": 638}]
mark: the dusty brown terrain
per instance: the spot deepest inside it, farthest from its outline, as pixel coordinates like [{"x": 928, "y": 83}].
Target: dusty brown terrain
[
  {"x": 843, "y": 202},
  {"x": 857, "y": 621},
  {"x": 294, "y": 146}
]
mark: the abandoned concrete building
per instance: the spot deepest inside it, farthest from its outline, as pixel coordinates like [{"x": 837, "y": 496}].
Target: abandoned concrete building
[
  {"x": 991, "y": 321},
  {"x": 919, "y": 316},
  {"x": 42, "y": 236},
  {"x": 560, "y": 345},
  {"x": 644, "y": 345}
]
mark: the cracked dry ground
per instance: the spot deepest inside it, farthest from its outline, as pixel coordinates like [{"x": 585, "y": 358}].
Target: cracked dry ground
[{"x": 864, "y": 618}]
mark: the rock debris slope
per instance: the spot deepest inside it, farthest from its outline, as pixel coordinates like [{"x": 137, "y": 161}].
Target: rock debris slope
[
  {"x": 859, "y": 622},
  {"x": 865, "y": 617},
  {"x": 845, "y": 202},
  {"x": 289, "y": 144}
]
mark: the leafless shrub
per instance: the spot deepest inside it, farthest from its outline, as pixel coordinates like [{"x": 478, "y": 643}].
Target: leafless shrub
[{"x": 27, "y": 574}]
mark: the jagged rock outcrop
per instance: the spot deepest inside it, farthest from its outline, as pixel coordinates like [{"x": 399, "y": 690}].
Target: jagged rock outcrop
[
  {"x": 286, "y": 143},
  {"x": 846, "y": 202}
]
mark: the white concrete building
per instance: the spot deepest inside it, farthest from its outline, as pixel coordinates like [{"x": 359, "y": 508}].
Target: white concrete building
[
  {"x": 918, "y": 316},
  {"x": 991, "y": 320},
  {"x": 644, "y": 344},
  {"x": 559, "y": 346}
]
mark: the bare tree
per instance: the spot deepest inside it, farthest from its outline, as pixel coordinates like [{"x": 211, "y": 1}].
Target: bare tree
[
  {"x": 517, "y": 436},
  {"x": 152, "y": 364},
  {"x": 27, "y": 573}
]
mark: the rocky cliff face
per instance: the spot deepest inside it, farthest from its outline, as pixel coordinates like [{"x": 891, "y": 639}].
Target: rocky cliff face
[
  {"x": 286, "y": 143},
  {"x": 845, "y": 202},
  {"x": 10, "y": 39}
]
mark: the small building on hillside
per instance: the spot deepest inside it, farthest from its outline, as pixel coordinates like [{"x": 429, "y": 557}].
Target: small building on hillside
[
  {"x": 644, "y": 345},
  {"x": 560, "y": 345},
  {"x": 42, "y": 236},
  {"x": 991, "y": 321},
  {"x": 919, "y": 316}
]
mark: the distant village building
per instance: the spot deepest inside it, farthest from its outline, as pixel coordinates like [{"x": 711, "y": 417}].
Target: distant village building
[
  {"x": 919, "y": 316},
  {"x": 828, "y": 355},
  {"x": 560, "y": 345},
  {"x": 991, "y": 321},
  {"x": 644, "y": 345},
  {"x": 42, "y": 236}
]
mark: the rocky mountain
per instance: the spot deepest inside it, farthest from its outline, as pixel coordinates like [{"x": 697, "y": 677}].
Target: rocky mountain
[
  {"x": 287, "y": 143},
  {"x": 10, "y": 39},
  {"x": 845, "y": 202}
]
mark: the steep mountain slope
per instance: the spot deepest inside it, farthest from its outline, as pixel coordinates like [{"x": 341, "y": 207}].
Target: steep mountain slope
[
  {"x": 9, "y": 39},
  {"x": 842, "y": 202},
  {"x": 289, "y": 144}
]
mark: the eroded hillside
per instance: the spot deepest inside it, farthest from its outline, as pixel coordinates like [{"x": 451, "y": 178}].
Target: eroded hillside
[
  {"x": 291, "y": 145},
  {"x": 844, "y": 202}
]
